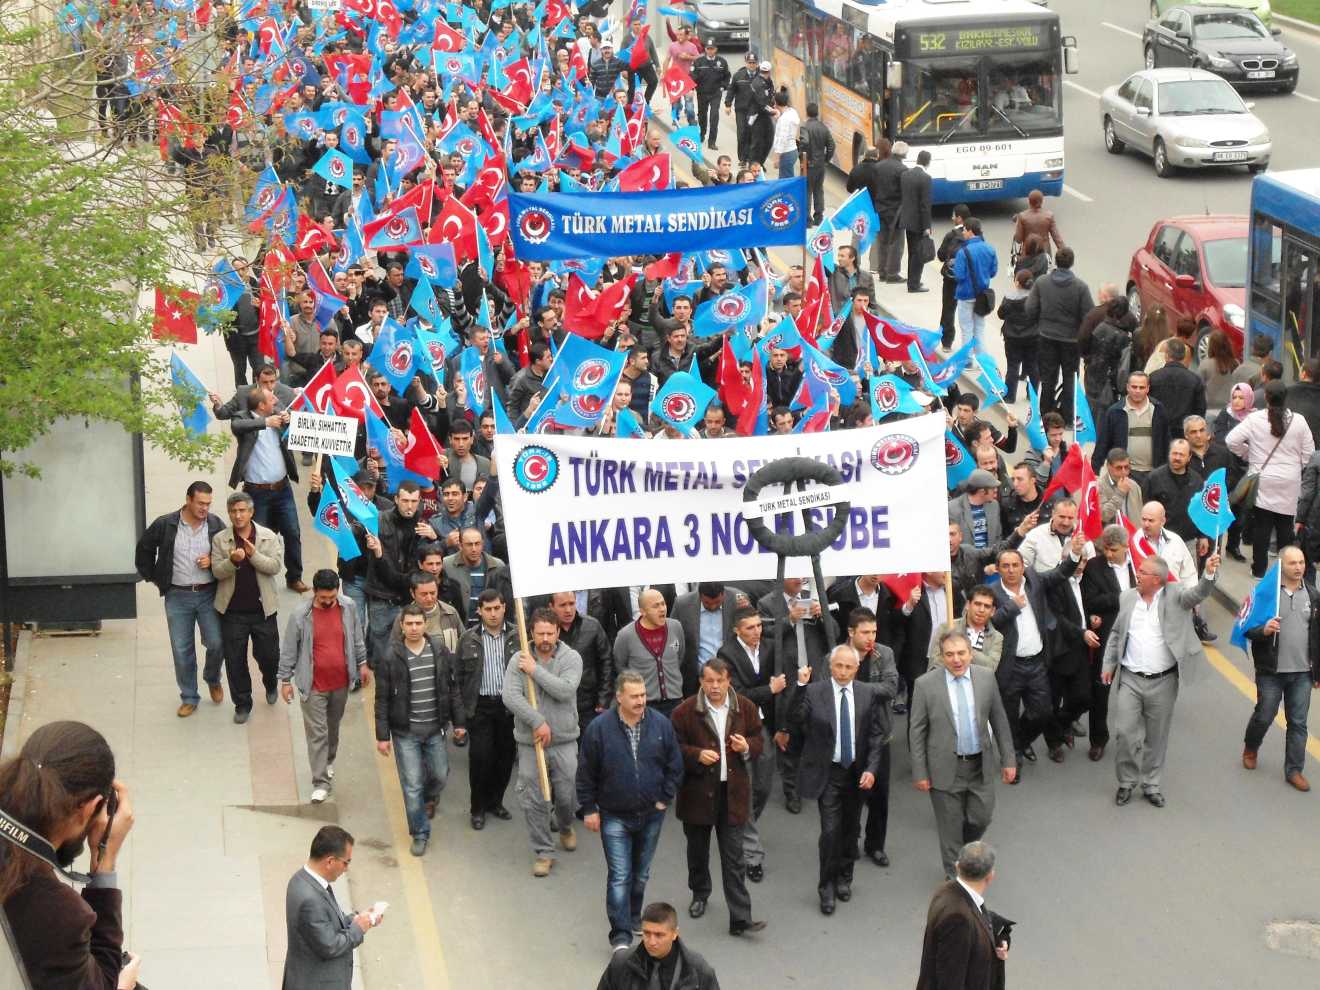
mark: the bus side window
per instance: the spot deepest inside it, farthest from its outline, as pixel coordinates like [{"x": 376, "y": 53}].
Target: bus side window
[{"x": 1265, "y": 252}]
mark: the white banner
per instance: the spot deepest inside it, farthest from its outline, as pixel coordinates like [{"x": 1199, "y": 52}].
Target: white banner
[
  {"x": 586, "y": 512},
  {"x": 325, "y": 4},
  {"x": 320, "y": 434}
]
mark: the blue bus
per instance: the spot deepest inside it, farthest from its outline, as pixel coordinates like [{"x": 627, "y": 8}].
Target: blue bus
[{"x": 1282, "y": 297}]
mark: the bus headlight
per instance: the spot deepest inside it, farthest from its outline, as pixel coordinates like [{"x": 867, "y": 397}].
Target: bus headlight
[{"x": 1235, "y": 315}]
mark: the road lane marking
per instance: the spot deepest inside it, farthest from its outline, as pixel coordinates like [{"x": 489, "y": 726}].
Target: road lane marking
[
  {"x": 1080, "y": 195},
  {"x": 1122, "y": 30},
  {"x": 1308, "y": 99},
  {"x": 416, "y": 891},
  {"x": 1080, "y": 88},
  {"x": 1247, "y": 686}
]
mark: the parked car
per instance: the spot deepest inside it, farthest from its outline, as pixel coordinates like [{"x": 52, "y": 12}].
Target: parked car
[
  {"x": 1194, "y": 267},
  {"x": 1183, "y": 118},
  {"x": 1261, "y": 8},
  {"x": 1228, "y": 41}
]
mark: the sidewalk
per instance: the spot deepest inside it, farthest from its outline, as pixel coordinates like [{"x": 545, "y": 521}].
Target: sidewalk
[{"x": 221, "y": 814}]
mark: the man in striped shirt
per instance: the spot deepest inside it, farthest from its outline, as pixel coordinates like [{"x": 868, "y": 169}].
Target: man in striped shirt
[
  {"x": 483, "y": 653},
  {"x": 416, "y": 697}
]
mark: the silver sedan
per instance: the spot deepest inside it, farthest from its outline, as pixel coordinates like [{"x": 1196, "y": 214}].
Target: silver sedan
[{"x": 1183, "y": 118}]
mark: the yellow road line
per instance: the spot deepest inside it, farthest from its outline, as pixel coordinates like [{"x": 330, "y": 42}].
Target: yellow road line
[
  {"x": 1247, "y": 686},
  {"x": 417, "y": 892}
]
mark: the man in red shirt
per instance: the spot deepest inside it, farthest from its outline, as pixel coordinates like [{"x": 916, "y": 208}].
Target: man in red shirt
[{"x": 323, "y": 655}]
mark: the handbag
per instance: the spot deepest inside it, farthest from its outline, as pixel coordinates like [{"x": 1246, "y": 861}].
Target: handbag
[
  {"x": 926, "y": 249},
  {"x": 1245, "y": 491},
  {"x": 984, "y": 303}
]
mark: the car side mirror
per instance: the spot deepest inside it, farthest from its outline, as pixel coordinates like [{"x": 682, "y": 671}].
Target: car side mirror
[
  {"x": 1277, "y": 32},
  {"x": 1184, "y": 37},
  {"x": 1143, "y": 111},
  {"x": 1186, "y": 281}
]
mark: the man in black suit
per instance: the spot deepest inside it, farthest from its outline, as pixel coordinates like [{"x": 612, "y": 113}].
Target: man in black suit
[
  {"x": 878, "y": 668},
  {"x": 915, "y": 218},
  {"x": 840, "y": 727},
  {"x": 958, "y": 951},
  {"x": 1102, "y": 584},
  {"x": 925, "y": 610},
  {"x": 1024, "y": 615},
  {"x": 863, "y": 591},
  {"x": 795, "y": 625},
  {"x": 1070, "y": 666},
  {"x": 755, "y": 674}
]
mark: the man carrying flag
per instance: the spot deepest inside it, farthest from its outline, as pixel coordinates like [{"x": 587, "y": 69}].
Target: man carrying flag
[
  {"x": 1281, "y": 619},
  {"x": 1152, "y": 646}
]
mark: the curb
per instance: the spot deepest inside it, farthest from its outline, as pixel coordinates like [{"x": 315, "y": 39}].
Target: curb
[
  {"x": 17, "y": 694},
  {"x": 1297, "y": 24}
]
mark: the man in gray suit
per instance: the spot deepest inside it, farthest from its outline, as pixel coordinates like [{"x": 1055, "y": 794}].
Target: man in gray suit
[
  {"x": 322, "y": 936},
  {"x": 955, "y": 711},
  {"x": 1149, "y": 650},
  {"x": 706, "y": 616}
]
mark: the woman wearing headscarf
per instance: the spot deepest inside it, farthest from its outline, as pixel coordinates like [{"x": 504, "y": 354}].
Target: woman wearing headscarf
[{"x": 1240, "y": 400}]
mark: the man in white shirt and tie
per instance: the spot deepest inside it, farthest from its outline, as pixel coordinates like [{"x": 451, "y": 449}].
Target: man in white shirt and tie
[
  {"x": 1152, "y": 645},
  {"x": 950, "y": 754}
]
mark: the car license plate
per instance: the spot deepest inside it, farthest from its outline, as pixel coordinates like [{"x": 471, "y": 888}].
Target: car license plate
[
  {"x": 1230, "y": 156},
  {"x": 1261, "y": 74},
  {"x": 980, "y": 185},
  {"x": 742, "y": 36}
]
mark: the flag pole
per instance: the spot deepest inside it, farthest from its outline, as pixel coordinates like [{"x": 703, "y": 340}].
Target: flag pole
[
  {"x": 541, "y": 770},
  {"x": 948, "y": 596}
]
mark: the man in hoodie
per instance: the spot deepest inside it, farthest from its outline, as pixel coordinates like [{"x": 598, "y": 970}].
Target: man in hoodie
[
  {"x": 553, "y": 724},
  {"x": 1058, "y": 304}
]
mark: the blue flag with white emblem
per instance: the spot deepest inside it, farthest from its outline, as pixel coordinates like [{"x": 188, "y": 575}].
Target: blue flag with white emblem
[
  {"x": 1035, "y": 430},
  {"x": 192, "y": 402},
  {"x": 1083, "y": 423},
  {"x": 1258, "y": 607},
  {"x": 392, "y": 355},
  {"x": 890, "y": 394},
  {"x": 857, "y": 215},
  {"x": 354, "y": 499},
  {"x": 681, "y": 402},
  {"x": 333, "y": 522},
  {"x": 958, "y": 463},
  {"x": 336, "y": 168},
  {"x": 1209, "y": 510},
  {"x": 745, "y": 306}
]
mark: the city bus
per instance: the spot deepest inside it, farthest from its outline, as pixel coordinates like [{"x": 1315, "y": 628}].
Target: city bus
[
  {"x": 978, "y": 83},
  {"x": 1282, "y": 300}
]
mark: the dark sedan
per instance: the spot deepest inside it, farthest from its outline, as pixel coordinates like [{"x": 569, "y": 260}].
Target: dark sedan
[{"x": 1228, "y": 41}]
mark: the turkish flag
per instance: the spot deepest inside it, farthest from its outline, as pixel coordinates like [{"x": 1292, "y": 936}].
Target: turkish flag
[
  {"x": 664, "y": 267},
  {"x": 421, "y": 196},
  {"x": 494, "y": 219},
  {"x": 489, "y": 184},
  {"x": 746, "y": 426},
  {"x": 640, "y": 53},
  {"x": 519, "y": 74},
  {"x": 448, "y": 39},
  {"x": 516, "y": 282},
  {"x": 901, "y": 585},
  {"x": 456, "y": 225},
  {"x": 734, "y": 392},
  {"x": 891, "y": 344},
  {"x": 580, "y": 309},
  {"x": 646, "y": 175},
  {"x": 422, "y": 454},
  {"x": 1069, "y": 477},
  {"x": 1088, "y": 503},
  {"x": 353, "y": 397},
  {"x": 677, "y": 81},
  {"x": 176, "y": 315},
  {"x": 269, "y": 326},
  {"x": 312, "y": 239},
  {"x": 319, "y": 388}
]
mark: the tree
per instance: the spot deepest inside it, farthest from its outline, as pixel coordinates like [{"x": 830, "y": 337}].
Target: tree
[{"x": 94, "y": 220}]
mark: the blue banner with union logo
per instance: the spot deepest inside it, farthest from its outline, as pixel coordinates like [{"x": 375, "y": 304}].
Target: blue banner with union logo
[{"x": 549, "y": 226}]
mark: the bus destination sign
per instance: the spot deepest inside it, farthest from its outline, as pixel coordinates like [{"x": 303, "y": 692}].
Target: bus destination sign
[{"x": 955, "y": 41}]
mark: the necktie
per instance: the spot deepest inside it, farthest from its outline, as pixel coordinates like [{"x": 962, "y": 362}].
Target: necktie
[
  {"x": 845, "y": 731},
  {"x": 964, "y": 718}
]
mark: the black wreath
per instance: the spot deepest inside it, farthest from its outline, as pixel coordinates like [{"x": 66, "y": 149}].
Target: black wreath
[{"x": 791, "y": 469}]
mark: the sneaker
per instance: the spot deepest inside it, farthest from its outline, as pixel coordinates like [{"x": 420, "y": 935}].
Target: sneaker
[
  {"x": 319, "y": 794},
  {"x": 541, "y": 868},
  {"x": 568, "y": 839},
  {"x": 330, "y": 770},
  {"x": 418, "y": 845},
  {"x": 620, "y": 946}
]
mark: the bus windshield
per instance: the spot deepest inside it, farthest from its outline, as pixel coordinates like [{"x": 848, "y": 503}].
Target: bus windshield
[{"x": 952, "y": 98}]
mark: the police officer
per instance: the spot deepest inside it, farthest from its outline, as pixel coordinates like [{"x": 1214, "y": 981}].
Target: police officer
[
  {"x": 740, "y": 102},
  {"x": 711, "y": 73}
]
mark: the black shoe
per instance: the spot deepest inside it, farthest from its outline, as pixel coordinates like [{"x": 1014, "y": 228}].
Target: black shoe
[
  {"x": 697, "y": 908},
  {"x": 898, "y": 708},
  {"x": 1029, "y": 754},
  {"x": 271, "y": 696},
  {"x": 746, "y": 929},
  {"x": 843, "y": 890},
  {"x": 1056, "y": 754},
  {"x": 241, "y": 715},
  {"x": 793, "y": 804},
  {"x": 1237, "y": 555},
  {"x": 895, "y": 279},
  {"x": 826, "y": 893},
  {"x": 1203, "y": 632},
  {"x": 1123, "y": 796},
  {"x": 919, "y": 288},
  {"x": 1096, "y": 753},
  {"x": 1155, "y": 798},
  {"x": 756, "y": 873},
  {"x": 501, "y": 812},
  {"x": 478, "y": 822},
  {"x": 878, "y": 857}
]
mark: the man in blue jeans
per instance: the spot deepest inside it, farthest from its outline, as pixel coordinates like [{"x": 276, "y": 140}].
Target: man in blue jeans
[
  {"x": 265, "y": 468},
  {"x": 174, "y": 554},
  {"x": 416, "y": 696},
  {"x": 974, "y": 267},
  {"x": 1286, "y": 654},
  {"x": 629, "y": 770}
]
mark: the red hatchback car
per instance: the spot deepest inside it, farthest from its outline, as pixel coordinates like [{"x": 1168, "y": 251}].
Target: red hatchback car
[{"x": 1195, "y": 267}]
